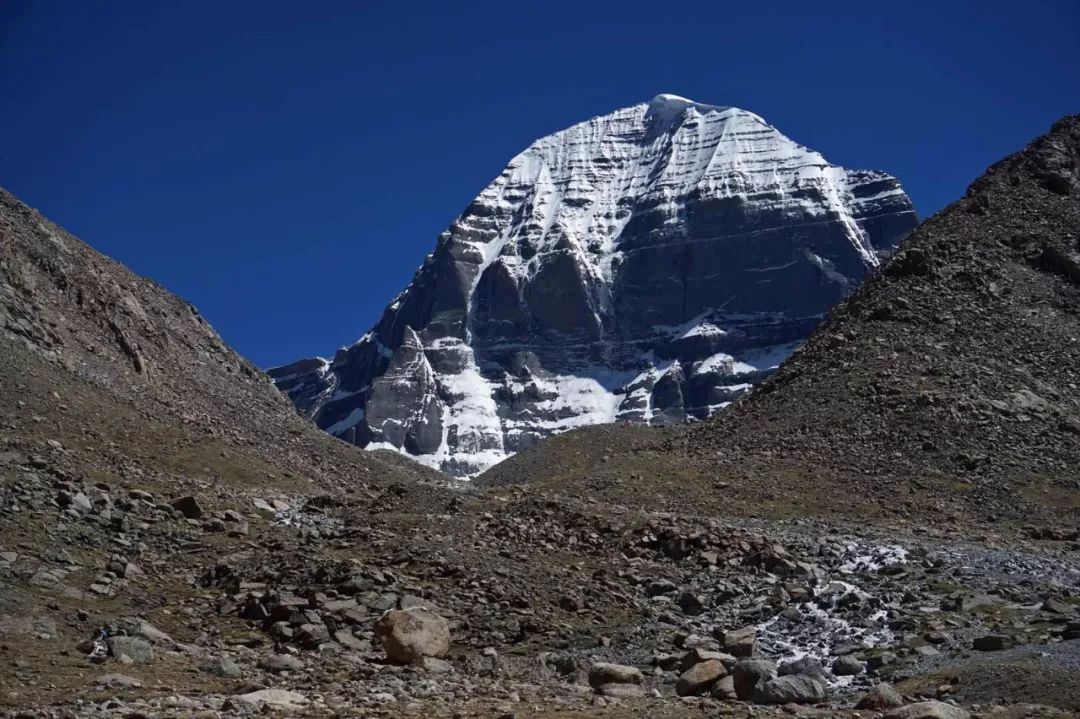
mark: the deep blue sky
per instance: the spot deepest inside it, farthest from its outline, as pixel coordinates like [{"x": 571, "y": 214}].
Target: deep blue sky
[{"x": 287, "y": 165}]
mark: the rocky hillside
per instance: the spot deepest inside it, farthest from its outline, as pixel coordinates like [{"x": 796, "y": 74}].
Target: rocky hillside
[
  {"x": 648, "y": 265},
  {"x": 71, "y": 317},
  {"x": 959, "y": 362},
  {"x": 948, "y": 382}
]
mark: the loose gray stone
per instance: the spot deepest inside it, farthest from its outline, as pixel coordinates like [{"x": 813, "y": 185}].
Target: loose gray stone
[
  {"x": 793, "y": 688},
  {"x": 699, "y": 678},
  {"x": 281, "y": 663},
  {"x": 928, "y": 710},
  {"x": 847, "y": 666},
  {"x": 116, "y": 681},
  {"x": 137, "y": 649},
  {"x": 187, "y": 506},
  {"x": 606, "y": 673},
  {"x": 409, "y": 634},
  {"x": 620, "y": 691},
  {"x": 274, "y": 698},
  {"x": 883, "y": 696},
  {"x": 748, "y": 673}
]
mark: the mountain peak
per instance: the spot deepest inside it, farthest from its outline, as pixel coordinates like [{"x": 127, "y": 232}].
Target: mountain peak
[
  {"x": 666, "y": 102},
  {"x": 569, "y": 290}
]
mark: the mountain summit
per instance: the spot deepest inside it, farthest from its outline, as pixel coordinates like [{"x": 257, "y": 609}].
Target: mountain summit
[{"x": 646, "y": 265}]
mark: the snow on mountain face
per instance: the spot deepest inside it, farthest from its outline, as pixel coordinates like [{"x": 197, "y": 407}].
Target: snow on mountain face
[{"x": 648, "y": 265}]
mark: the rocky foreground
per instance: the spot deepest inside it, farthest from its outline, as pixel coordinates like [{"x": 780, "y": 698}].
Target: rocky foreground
[{"x": 123, "y": 599}]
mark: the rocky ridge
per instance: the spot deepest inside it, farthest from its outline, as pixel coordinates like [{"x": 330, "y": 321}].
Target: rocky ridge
[{"x": 648, "y": 265}]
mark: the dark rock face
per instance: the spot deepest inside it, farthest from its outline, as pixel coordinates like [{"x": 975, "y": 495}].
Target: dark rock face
[{"x": 649, "y": 265}]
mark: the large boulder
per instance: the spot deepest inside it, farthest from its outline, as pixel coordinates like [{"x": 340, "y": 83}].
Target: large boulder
[
  {"x": 406, "y": 635},
  {"x": 791, "y": 689}
]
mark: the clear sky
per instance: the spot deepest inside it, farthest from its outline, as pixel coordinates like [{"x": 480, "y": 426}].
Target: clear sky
[{"x": 286, "y": 166}]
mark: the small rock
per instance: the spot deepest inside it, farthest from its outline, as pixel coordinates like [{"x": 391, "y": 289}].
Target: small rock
[
  {"x": 436, "y": 666},
  {"x": 883, "y": 696},
  {"x": 347, "y": 639},
  {"x": 310, "y": 636},
  {"x": 690, "y": 603},
  {"x": 697, "y": 656},
  {"x": 699, "y": 678},
  {"x": 273, "y": 698},
  {"x": 138, "y": 650},
  {"x": 792, "y": 688},
  {"x": 117, "y": 681},
  {"x": 660, "y": 587},
  {"x": 571, "y": 603},
  {"x": 263, "y": 509},
  {"x": 847, "y": 666},
  {"x": 408, "y": 634},
  {"x": 187, "y": 506},
  {"x": 724, "y": 690},
  {"x": 1057, "y": 606},
  {"x": 620, "y": 691},
  {"x": 739, "y": 642},
  {"x": 878, "y": 661},
  {"x": 281, "y": 663},
  {"x": 808, "y": 666},
  {"x": 605, "y": 673},
  {"x": 991, "y": 643},
  {"x": 748, "y": 673},
  {"x": 221, "y": 666},
  {"x": 928, "y": 710}
]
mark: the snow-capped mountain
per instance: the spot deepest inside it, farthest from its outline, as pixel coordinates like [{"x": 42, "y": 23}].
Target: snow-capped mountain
[{"x": 647, "y": 265}]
